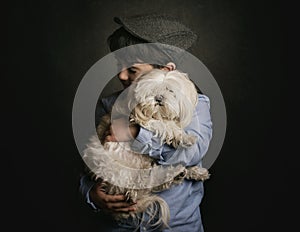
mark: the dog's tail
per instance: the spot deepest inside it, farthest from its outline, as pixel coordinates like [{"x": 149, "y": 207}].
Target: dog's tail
[{"x": 156, "y": 211}]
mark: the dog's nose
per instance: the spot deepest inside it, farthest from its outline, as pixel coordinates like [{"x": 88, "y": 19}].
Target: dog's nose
[{"x": 159, "y": 98}]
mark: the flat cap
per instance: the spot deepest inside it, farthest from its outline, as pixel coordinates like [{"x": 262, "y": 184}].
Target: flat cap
[{"x": 158, "y": 29}]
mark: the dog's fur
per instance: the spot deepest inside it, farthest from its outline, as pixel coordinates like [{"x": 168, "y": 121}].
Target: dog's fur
[{"x": 162, "y": 102}]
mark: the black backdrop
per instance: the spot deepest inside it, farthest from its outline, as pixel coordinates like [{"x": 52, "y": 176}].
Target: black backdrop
[{"x": 51, "y": 45}]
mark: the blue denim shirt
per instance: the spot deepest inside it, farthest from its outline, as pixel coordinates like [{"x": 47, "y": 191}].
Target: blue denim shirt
[{"x": 184, "y": 199}]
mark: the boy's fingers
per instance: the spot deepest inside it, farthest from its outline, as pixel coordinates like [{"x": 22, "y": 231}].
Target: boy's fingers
[
  {"x": 121, "y": 207},
  {"x": 110, "y": 138}
]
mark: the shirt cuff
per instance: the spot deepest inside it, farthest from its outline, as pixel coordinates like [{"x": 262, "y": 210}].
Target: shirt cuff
[
  {"x": 142, "y": 142},
  {"x": 85, "y": 187},
  {"x": 146, "y": 143},
  {"x": 144, "y": 135},
  {"x": 91, "y": 204}
]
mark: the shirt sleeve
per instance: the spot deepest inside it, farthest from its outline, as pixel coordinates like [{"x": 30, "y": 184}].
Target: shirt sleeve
[
  {"x": 200, "y": 126},
  {"x": 85, "y": 186}
]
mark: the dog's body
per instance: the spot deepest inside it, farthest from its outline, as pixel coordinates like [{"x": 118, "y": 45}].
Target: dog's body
[{"x": 162, "y": 102}]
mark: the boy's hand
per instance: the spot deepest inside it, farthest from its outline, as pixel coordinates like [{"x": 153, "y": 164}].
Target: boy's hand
[
  {"x": 110, "y": 203},
  {"x": 121, "y": 131}
]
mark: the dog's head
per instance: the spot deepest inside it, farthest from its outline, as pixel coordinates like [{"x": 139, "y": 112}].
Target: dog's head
[{"x": 163, "y": 95}]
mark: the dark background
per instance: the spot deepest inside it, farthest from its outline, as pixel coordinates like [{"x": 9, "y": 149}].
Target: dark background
[{"x": 52, "y": 44}]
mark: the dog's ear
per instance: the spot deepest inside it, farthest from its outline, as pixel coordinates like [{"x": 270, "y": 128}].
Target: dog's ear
[{"x": 169, "y": 66}]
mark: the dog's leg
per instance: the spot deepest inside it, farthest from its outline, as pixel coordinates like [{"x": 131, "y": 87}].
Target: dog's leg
[
  {"x": 178, "y": 136},
  {"x": 197, "y": 173},
  {"x": 170, "y": 133},
  {"x": 186, "y": 140}
]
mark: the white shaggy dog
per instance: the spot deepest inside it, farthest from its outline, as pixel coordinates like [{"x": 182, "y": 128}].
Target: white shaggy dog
[{"x": 162, "y": 102}]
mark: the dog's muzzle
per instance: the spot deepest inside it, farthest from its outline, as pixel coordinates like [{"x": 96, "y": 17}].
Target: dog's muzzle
[{"x": 159, "y": 99}]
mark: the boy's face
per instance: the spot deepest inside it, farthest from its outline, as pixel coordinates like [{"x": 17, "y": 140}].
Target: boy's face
[{"x": 128, "y": 75}]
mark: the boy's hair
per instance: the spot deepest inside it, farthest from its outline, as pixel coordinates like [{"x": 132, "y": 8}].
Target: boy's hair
[{"x": 121, "y": 38}]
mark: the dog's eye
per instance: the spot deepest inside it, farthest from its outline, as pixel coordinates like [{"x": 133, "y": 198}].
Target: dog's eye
[{"x": 170, "y": 90}]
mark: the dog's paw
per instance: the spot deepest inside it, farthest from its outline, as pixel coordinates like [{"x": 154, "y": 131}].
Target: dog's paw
[
  {"x": 131, "y": 196},
  {"x": 197, "y": 173},
  {"x": 187, "y": 140}
]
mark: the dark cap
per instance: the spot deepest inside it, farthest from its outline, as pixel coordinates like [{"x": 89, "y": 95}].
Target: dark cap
[{"x": 158, "y": 29}]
